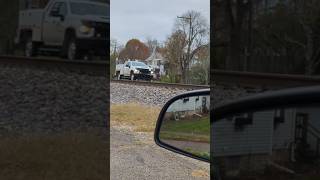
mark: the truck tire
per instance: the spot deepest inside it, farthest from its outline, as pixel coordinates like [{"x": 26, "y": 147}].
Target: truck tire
[
  {"x": 30, "y": 49},
  {"x": 72, "y": 51},
  {"x": 132, "y": 78},
  {"x": 119, "y": 76}
]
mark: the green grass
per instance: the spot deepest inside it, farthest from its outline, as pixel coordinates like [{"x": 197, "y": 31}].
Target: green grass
[
  {"x": 191, "y": 130},
  {"x": 184, "y": 137},
  {"x": 205, "y": 155},
  {"x": 196, "y": 126}
]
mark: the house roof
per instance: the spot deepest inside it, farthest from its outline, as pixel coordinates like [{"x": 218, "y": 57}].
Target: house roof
[{"x": 155, "y": 56}]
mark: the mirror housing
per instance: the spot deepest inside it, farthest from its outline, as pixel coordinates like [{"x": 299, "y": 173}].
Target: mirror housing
[{"x": 163, "y": 115}]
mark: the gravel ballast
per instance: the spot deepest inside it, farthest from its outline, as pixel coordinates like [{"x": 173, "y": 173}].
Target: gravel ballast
[
  {"x": 35, "y": 101},
  {"x": 158, "y": 96},
  {"x": 140, "y": 94}
]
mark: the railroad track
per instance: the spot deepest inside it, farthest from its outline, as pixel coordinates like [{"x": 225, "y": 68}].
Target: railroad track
[
  {"x": 220, "y": 77},
  {"x": 263, "y": 80},
  {"x": 244, "y": 80},
  {"x": 160, "y": 84},
  {"x": 95, "y": 68}
]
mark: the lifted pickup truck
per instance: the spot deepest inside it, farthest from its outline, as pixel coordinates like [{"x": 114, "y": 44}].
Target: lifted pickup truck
[
  {"x": 134, "y": 70},
  {"x": 71, "y": 27}
]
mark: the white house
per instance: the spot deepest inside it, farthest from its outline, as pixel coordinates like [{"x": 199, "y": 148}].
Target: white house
[
  {"x": 156, "y": 61},
  {"x": 194, "y": 103}
]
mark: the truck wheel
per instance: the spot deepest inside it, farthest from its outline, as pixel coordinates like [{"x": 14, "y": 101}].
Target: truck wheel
[
  {"x": 132, "y": 78},
  {"x": 72, "y": 51},
  {"x": 118, "y": 76},
  {"x": 29, "y": 48}
]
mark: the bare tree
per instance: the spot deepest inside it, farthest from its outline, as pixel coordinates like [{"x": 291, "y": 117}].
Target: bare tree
[
  {"x": 114, "y": 54},
  {"x": 151, "y": 44},
  {"x": 305, "y": 16},
  {"x": 307, "y": 13},
  {"x": 113, "y": 46},
  {"x": 204, "y": 57},
  {"x": 173, "y": 52},
  {"x": 191, "y": 28}
]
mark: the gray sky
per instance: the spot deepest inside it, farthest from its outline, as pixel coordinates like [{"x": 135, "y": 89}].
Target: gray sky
[{"x": 150, "y": 18}]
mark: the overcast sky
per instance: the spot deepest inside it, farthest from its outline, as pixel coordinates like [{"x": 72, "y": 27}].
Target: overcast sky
[{"x": 150, "y": 18}]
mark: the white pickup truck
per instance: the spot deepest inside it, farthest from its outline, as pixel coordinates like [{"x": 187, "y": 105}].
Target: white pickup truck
[
  {"x": 134, "y": 70},
  {"x": 71, "y": 27}
]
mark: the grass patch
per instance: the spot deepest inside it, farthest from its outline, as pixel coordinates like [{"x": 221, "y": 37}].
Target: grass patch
[
  {"x": 198, "y": 153},
  {"x": 196, "y": 126},
  {"x": 66, "y": 157},
  {"x": 189, "y": 130},
  {"x": 184, "y": 137},
  {"x": 141, "y": 118}
]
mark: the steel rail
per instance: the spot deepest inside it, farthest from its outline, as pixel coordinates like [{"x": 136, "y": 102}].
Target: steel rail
[{"x": 95, "y": 68}]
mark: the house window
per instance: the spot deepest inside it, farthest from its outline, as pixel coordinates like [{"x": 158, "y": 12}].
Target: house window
[
  {"x": 278, "y": 117},
  {"x": 185, "y": 100},
  {"x": 243, "y": 120}
]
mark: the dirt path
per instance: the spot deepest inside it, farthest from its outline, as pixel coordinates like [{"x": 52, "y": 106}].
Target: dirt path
[{"x": 135, "y": 156}]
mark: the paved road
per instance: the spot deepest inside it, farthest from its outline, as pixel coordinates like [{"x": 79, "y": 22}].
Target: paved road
[{"x": 135, "y": 156}]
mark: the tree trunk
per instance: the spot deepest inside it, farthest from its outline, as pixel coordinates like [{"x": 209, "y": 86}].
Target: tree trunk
[
  {"x": 309, "y": 67},
  {"x": 234, "y": 61}
]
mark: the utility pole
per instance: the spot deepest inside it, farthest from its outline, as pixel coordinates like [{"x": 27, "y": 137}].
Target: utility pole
[
  {"x": 115, "y": 48},
  {"x": 115, "y": 52},
  {"x": 189, "y": 45}
]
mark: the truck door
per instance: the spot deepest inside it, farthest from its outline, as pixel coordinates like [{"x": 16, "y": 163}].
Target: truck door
[
  {"x": 127, "y": 69},
  {"x": 54, "y": 23}
]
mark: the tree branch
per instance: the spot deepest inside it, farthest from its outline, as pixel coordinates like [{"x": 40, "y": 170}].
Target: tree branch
[{"x": 290, "y": 40}]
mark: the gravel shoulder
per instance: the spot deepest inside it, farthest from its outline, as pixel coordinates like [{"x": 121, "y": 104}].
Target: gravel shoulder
[{"x": 136, "y": 156}]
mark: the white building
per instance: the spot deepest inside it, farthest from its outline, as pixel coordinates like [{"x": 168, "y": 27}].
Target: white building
[
  {"x": 156, "y": 61},
  {"x": 190, "y": 104}
]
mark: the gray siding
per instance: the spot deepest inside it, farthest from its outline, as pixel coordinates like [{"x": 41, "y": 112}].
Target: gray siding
[
  {"x": 314, "y": 120},
  {"x": 253, "y": 139},
  {"x": 283, "y": 134}
]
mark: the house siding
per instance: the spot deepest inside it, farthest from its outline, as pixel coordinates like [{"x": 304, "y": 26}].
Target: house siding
[
  {"x": 283, "y": 134},
  {"x": 255, "y": 138}
]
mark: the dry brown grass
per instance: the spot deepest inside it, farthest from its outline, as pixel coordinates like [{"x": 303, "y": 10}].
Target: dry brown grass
[
  {"x": 141, "y": 118},
  {"x": 64, "y": 157}
]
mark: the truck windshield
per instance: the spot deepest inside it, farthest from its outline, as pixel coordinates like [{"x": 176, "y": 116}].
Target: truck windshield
[
  {"x": 138, "y": 64},
  {"x": 89, "y": 9}
]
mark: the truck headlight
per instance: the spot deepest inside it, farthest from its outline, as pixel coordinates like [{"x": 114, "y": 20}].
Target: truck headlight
[
  {"x": 85, "y": 29},
  {"x": 136, "y": 71}
]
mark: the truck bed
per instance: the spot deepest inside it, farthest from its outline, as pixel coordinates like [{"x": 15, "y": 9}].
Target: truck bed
[
  {"x": 32, "y": 19},
  {"x": 119, "y": 67}
]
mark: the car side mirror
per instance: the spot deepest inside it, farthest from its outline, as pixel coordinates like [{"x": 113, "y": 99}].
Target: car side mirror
[{"x": 184, "y": 125}]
